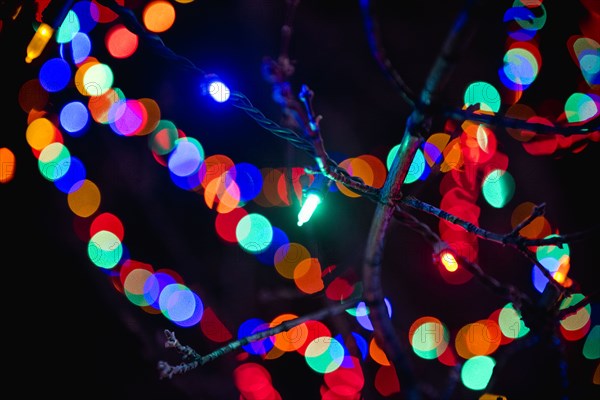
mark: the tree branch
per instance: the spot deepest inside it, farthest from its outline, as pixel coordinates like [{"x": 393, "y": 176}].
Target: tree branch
[
  {"x": 533, "y": 259},
  {"x": 576, "y": 307},
  {"x": 515, "y": 123},
  {"x": 511, "y": 238},
  {"x": 417, "y": 123},
  {"x": 191, "y": 359},
  {"x": 379, "y": 53},
  {"x": 373, "y": 258}
]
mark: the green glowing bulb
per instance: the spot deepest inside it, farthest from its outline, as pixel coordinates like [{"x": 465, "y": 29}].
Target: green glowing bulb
[{"x": 308, "y": 208}]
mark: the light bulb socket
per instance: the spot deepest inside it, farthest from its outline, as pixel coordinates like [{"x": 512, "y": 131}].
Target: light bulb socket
[
  {"x": 207, "y": 79},
  {"x": 319, "y": 186},
  {"x": 56, "y": 12},
  {"x": 438, "y": 249}
]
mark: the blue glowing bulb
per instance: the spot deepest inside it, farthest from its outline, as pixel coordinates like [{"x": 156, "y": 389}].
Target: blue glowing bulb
[{"x": 218, "y": 91}]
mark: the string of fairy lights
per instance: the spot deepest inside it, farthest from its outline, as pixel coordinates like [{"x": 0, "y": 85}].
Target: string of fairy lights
[{"x": 228, "y": 186}]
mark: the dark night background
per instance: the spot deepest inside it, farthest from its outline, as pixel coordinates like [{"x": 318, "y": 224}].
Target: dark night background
[{"x": 69, "y": 333}]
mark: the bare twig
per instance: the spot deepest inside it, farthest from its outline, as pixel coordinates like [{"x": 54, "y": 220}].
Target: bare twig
[
  {"x": 456, "y": 40},
  {"x": 533, "y": 259},
  {"x": 512, "y": 238},
  {"x": 515, "y": 123},
  {"x": 287, "y": 28},
  {"x": 576, "y": 307},
  {"x": 466, "y": 225},
  {"x": 186, "y": 351},
  {"x": 192, "y": 359},
  {"x": 277, "y": 72},
  {"x": 379, "y": 53},
  {"x": 537, "y": 211}
]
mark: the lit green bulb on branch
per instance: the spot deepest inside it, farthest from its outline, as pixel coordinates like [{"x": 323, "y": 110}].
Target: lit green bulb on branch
[
  {"x": 313, "y": 197},
  {"x": 309, "y": 206}
]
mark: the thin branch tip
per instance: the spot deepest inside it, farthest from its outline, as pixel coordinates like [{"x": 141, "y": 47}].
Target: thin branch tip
[
  {"x": 171, "y": 339},
  {"x": 165, "y": 370}
]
